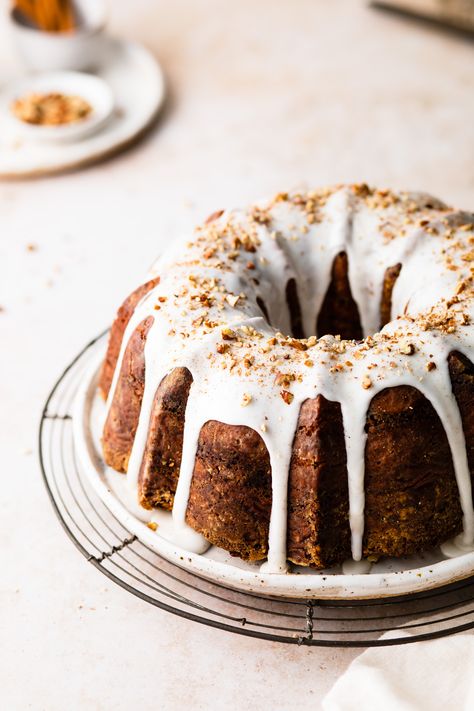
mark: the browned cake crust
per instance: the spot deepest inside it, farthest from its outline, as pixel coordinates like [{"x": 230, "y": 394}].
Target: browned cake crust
[
  {"x": 124, "y": 315},
  {"x": 412, "y": 501},
  {"x": 339, "y": 314},
  {"x": 294, "y": 307},
  {"x": 318, "y": 496},
  {"x": 161, "y": 461},
  {"x": 231, "y": 490},
  {"x": 391, "y": 276},
  {"x": 122, "y": 419},
  {"x": 461, "y": 371}
]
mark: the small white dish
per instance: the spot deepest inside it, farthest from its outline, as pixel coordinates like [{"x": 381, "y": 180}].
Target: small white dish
[
  {"x": 93, "y": 89},
  {"x": 78, "y": 50},
  {"x": 138, "y": 86}
]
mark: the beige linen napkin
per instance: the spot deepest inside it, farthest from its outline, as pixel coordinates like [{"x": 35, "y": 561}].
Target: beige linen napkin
[{"x": 423, "y": 676}]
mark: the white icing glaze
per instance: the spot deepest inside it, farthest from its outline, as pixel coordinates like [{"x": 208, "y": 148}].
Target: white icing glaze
[
  {"x": 356, "y": 567},
  {"x": 299, "y": 238},
  {"x": 456, "y": 547}
]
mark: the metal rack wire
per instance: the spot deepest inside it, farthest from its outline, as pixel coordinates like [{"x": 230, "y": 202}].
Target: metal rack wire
[{"x": 119, "y": 555}]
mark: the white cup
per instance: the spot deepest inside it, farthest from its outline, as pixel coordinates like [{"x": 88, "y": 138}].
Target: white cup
[{"x": 78, "y": 50}]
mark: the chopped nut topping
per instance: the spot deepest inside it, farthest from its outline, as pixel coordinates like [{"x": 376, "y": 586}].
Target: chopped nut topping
[
  {"x": 299, "y": 345},
  {"x": 284, "y": 379},
  {"x": 232, "y": 299},
  {"x": 261, "y": 216},
  {"x": 229, "y": 247},
  {"x": 287, "y": 396},
  {"x": 407, "y": 349},
  {"x": 214, "y": 216}
]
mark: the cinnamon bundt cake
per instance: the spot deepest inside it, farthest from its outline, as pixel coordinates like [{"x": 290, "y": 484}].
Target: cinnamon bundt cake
[{"x": 296, "y": 381}]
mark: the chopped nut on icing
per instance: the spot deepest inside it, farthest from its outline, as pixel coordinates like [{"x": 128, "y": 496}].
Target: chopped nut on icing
[
  {"x": 232, "y": 299},
  {"x": 407, "y": 349}
]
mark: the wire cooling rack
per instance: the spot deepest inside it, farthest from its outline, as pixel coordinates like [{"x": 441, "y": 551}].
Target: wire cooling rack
[{"x": 119, "y": 555}]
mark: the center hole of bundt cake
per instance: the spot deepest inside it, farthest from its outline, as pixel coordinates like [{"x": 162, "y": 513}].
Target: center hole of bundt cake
[{"x": 339, "y": 313}]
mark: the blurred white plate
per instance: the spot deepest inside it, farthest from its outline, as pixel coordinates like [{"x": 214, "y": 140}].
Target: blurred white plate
[
  {"x": 386, "y": 578},
  {"x": 137, "y": 84},
  {"x": 92, "y": 89}
]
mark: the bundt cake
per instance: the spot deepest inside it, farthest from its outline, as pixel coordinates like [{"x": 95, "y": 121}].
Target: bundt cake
[{"x": 296, "y": 381}]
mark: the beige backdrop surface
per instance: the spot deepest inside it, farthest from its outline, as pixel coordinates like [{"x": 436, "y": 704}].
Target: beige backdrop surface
[{"x": 263, "y": 96}]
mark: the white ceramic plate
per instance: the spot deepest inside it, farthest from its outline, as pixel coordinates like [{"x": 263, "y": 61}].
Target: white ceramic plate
[
  {"x": 92, "y": 89},
  {"x": 137, "y": 84},
  {"x": 386, "y": 578}
]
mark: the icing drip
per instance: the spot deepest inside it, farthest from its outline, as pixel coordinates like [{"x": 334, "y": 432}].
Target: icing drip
[
  {"x": 355, "y": 438},
  {"x": 184, "y": 534},
  {"x": 445, "y": 405},
  {"x": 356, "y": 567},
  {"x": 280, "y": 464},
  {"x": 456, "y": 547},
  {"x": 207, "y": 318}
]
